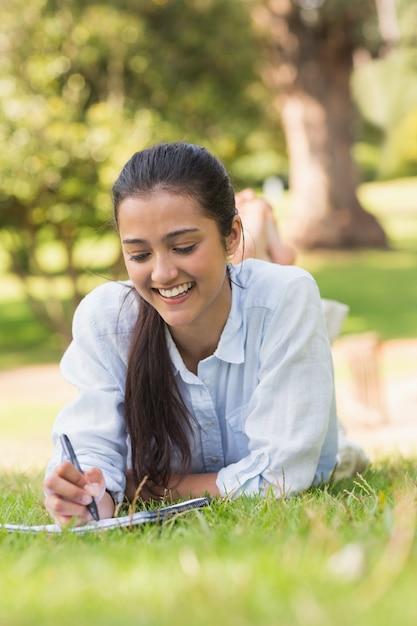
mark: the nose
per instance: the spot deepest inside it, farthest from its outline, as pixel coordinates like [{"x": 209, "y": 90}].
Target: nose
[{"x": 163, "y": 270}]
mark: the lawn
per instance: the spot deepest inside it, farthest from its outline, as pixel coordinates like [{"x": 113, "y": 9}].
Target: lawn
[
  {"x": 343, "y": 555},
  {"x": 379, "y": 286}
]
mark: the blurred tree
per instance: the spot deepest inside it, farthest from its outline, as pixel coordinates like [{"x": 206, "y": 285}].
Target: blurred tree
[
  {"x": 386, "y": 94},
  {"x": 83, "y": 86},
  {"x": 309, "y": 50}
]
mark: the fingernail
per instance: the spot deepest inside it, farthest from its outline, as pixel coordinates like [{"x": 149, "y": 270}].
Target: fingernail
[
  {"x": 86, "y": 499},
  {"x": 93, "y": 489}
]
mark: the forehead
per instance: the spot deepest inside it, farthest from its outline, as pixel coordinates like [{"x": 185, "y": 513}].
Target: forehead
[
  {"x": 162, "y": 201},
  {"x": 160, "y": 212}
]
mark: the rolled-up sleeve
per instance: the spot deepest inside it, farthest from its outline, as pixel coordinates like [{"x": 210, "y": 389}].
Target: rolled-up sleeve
[
  {"x": 95, "y": 364},
  {"x": 290, "y": 419}
]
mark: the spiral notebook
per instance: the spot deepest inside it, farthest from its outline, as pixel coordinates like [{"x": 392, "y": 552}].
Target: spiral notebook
[{"x": 127, "y": 521}]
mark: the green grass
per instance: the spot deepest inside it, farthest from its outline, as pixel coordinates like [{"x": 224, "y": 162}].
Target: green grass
[
  {"x": 379, "y": 287},
  {"x": 343, "y": 555},
  {"x": 339, "y": 556},
  {"x": 23, "y": 339}
]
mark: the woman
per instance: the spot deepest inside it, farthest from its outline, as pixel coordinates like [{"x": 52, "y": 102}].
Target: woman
[{"x": 198, "y": 376}]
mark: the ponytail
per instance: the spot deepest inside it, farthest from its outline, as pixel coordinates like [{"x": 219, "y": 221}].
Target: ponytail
[{"x": 157, "y": 419}]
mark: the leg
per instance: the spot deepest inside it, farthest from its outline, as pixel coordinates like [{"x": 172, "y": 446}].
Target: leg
[{"x": 262, "y": 240}]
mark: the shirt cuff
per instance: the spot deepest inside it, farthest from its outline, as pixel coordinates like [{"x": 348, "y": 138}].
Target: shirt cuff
[{"x": 243, "y": 477}]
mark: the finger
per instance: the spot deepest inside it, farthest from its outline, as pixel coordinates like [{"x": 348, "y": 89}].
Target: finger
[
  {"x": 65, "y": 511},
  {"x": 61, "y": 486},
  {"x": 96, "y": 485},
  {"x": 70, "y": 473},
  {"x": 94, "y": 475}
]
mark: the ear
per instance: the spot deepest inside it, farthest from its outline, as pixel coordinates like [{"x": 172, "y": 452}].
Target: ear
[{"x": 233, "y": 239}]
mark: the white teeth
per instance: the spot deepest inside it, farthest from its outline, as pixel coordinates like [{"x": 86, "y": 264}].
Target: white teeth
[{"x": 176, "y": 291}]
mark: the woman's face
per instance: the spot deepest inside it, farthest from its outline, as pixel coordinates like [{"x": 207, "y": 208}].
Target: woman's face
[{"x": 176, "y": 258}]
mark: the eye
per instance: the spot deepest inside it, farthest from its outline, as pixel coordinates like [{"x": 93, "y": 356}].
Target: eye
[
  {"x": 139, "y": 258},
  {"x": 185, "y": 250}
]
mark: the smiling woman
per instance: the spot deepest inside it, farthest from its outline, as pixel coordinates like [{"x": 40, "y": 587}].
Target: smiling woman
[
  {"x": 177, "y": 260},
  {"x": 196, "y": 376}
]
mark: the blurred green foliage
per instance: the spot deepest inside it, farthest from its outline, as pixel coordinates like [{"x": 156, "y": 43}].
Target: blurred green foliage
[
  {"x": 84, "y": 85},
  {"x": 385, "y": 91}
]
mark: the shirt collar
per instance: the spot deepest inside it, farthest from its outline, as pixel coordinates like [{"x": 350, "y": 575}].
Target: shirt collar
[{"x": 231, "y": 345}]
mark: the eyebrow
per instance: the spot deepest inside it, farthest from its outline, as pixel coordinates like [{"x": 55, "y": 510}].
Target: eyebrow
[{"x": 175, "y": 233}]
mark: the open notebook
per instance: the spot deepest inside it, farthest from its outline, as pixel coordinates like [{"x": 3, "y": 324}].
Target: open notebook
[{"x": 141, "y": 517}]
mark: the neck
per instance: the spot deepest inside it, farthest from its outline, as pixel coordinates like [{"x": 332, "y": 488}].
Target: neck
[
  {"x": 196, "y": 342},
  {"x": 193, "y": 355}
]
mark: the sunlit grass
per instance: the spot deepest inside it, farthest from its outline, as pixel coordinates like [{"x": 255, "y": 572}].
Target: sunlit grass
[
  {"x": 346, "y": 554},
  {"x": 387, "y": 198},
  {"x": 343, "y": 555},
  {"x": 379, "y": 287},
  {"x": 19, "y": 418},
  {"x": 23, "y": 340}
]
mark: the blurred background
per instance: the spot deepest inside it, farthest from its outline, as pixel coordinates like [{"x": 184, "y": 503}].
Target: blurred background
[{"x": 313, "y": 102}]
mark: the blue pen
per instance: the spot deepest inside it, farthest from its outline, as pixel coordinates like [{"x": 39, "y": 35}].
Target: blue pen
[{"x": 69, "y": 451}]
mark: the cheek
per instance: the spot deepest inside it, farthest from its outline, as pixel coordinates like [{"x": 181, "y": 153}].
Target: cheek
[
  {"x": 134, "y": 271},
  {"x": 139, "y": 282},
  {"x": 212, "y": 260}
]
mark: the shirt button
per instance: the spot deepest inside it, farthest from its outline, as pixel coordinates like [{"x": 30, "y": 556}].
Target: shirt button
[
  {"x": 214, "y": 459},
  {"x": 209, "y": 423},
  {"x": 207, "y": 382}
]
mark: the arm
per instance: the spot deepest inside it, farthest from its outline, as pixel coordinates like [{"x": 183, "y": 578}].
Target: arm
[
  {"x": 180, "y": 486},
  {"x": 95, "y": 364},
  {"x": 194, "y": 485}
]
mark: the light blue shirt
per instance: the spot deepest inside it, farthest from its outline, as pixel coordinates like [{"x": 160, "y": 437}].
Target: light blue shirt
[{"x": 263, "y": 403}]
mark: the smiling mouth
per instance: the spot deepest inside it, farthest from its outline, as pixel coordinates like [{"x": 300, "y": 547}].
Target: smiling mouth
[{"x": 175, "y": 292}]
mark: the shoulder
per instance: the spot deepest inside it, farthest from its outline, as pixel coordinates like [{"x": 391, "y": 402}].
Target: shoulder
[
  {"x": 113, "y": 304},
  {"x": 264, "y": 284}
]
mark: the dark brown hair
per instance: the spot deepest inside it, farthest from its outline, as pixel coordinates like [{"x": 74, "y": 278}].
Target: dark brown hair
[{"x": 157, "y": 419}]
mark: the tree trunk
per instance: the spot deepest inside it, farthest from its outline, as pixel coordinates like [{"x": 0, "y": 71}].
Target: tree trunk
[{"x": 309, "y": 70}]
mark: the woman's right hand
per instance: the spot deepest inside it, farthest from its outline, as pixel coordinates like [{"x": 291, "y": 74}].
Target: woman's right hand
[{"x": 68, "y": 492}]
